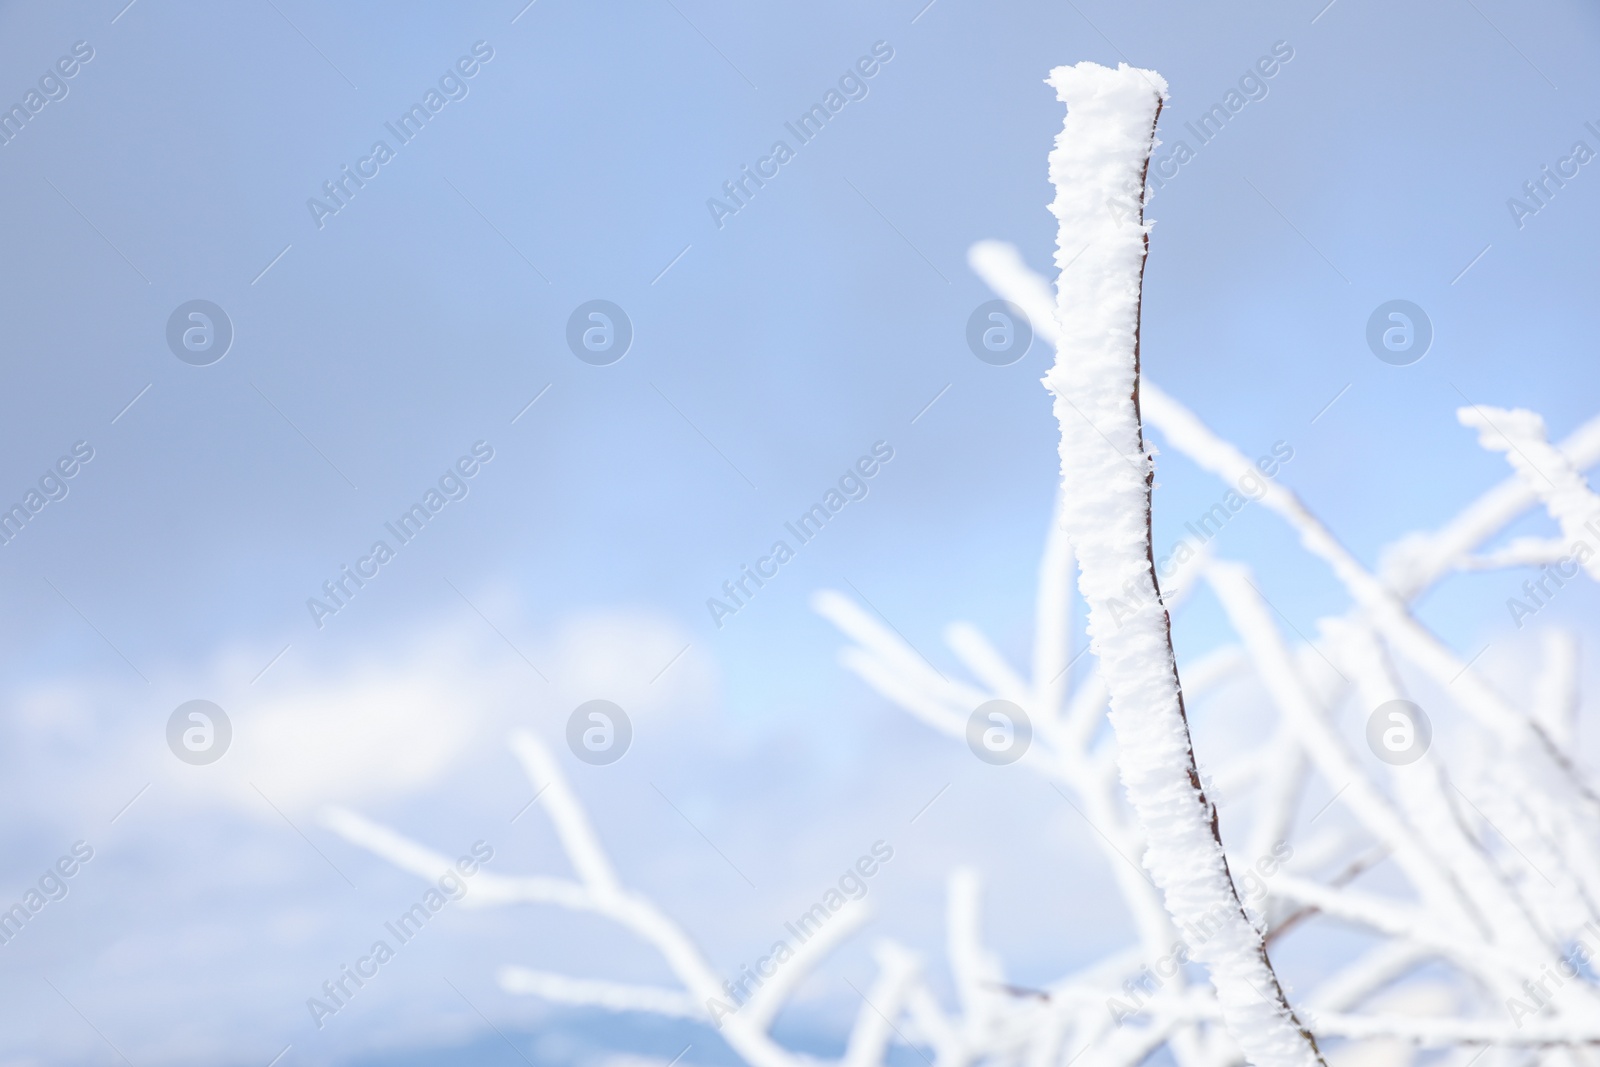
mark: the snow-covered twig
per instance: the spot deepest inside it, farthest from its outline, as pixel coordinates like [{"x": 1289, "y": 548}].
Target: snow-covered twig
[
  {"x": 1100, "y": 159},
  {"x": 744, "y": 1018},
  {"x": 1547, "y": 472}
]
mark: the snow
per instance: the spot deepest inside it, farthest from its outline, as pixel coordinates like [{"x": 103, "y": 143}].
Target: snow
[
  {"x": 1546, "y": 471},
  {"x": 1098, "y": 168}
]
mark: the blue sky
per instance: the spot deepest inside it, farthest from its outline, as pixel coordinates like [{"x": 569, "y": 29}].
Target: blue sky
[{"x": 373, "y": 351}]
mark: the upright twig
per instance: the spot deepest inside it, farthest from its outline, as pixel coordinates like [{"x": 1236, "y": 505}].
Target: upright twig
[{"x": 1098, "y": 168}]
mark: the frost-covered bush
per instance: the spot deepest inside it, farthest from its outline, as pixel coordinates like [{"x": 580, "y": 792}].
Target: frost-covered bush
[{"x": 1487, "y": 952}]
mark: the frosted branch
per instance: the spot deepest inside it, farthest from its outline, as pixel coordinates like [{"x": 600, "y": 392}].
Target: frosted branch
[{"x": 1099, "y": 161}]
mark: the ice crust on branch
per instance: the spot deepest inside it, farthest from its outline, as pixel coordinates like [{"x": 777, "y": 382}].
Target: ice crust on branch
[{"x": 1098, "y": 168}]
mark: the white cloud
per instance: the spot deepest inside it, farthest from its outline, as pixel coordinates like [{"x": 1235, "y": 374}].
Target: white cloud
[{"x": 387, "y": 722}]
